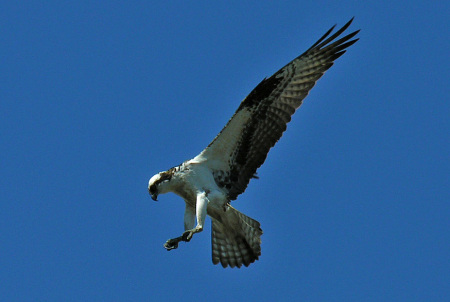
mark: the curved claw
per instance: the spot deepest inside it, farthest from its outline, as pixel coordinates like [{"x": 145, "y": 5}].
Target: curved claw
[
  {"x": 171, "y": 244},
  {"x": 187, "y": 236}
]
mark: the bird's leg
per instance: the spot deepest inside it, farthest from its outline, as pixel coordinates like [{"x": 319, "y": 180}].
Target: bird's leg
[
  {"x": 189, "y": 221},
  {"x": 200, "y": 211}
]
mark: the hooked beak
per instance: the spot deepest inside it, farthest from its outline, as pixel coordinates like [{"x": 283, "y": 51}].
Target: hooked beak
[{"x": 153, "y": 191}]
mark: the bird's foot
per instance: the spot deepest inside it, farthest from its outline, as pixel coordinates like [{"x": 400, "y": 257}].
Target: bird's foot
[
  {"x": 187, "y": 235},
  {"x": 172, "y": 243}
]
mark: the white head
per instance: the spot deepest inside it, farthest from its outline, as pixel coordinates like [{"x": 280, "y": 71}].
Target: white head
[{"x": 158, "y": 184}]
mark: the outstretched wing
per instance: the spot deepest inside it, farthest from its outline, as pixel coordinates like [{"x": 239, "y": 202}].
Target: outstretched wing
[{"x": 259, "y": 122}]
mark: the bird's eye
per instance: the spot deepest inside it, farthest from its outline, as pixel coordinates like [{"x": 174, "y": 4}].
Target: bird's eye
[{"x": 153, "y": 189}]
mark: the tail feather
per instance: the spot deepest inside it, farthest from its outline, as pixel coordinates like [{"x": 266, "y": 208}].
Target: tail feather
[{"x": 236, "y": 239}]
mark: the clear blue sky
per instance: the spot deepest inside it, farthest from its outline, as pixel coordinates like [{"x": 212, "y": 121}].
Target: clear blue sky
[{"x": 96, "y": 97}]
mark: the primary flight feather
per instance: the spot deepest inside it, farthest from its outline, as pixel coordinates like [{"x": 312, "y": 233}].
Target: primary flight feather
[{"x": 222, "y": 171}]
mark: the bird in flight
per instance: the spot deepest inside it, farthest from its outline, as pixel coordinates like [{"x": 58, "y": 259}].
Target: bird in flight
[{"x": 222, "y": 171}]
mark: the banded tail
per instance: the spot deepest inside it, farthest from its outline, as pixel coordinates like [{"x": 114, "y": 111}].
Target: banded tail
[{"x": 236, "y": 239}]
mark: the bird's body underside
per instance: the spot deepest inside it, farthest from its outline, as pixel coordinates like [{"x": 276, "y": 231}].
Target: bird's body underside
[{"x": 222, "y": 171}]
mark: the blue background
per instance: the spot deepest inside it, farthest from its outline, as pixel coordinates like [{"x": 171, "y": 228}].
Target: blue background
[{"x": 96, "y": 97}]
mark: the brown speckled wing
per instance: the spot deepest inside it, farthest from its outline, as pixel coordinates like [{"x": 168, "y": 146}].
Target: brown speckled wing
[{"x": 259, "y": 122}]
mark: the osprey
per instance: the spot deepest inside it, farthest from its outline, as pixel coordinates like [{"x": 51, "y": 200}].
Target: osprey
[{"x": 222, "y": 171}]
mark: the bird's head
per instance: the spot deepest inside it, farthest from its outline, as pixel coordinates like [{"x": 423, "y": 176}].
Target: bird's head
[{"x": 159, "y": 184}]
